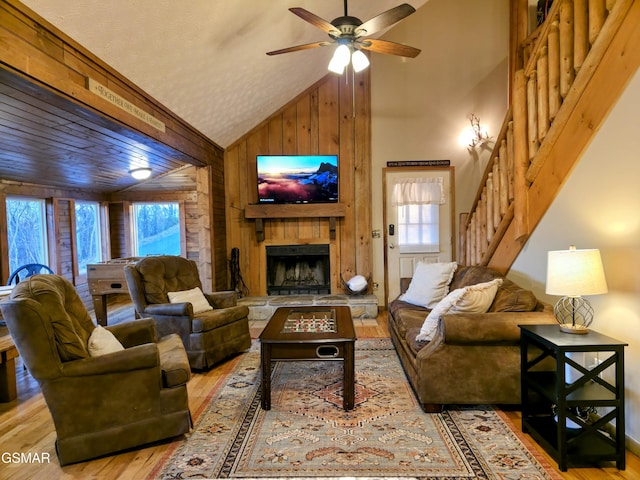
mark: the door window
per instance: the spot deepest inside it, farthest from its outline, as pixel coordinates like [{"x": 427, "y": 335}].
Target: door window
[{"x": 419, "y": 228}]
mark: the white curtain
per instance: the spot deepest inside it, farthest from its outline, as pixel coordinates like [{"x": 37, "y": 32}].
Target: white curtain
[{"x": 418, "y": 191}]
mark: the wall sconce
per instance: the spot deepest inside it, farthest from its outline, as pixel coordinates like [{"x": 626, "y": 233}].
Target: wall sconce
[
  {"x": 140, "y": 173},
  {"x": 573, "y": 273},
  {"x": 476, "y": 135}
]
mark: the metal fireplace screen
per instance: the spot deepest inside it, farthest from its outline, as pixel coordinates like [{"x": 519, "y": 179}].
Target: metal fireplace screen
[{"x": 298, "y": 269}]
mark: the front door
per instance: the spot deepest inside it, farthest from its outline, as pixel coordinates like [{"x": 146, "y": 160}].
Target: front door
[{"x": 400, "y": 258}]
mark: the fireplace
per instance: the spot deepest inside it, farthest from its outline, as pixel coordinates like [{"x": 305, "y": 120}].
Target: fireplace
[{"x": 298, "y": 269}]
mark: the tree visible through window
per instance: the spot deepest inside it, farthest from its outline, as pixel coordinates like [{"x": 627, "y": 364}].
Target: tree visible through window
[
  {"x": 88, "y": 242},
  {"x": 26, "y": 232},
  {"x": 157, "y": 228}
]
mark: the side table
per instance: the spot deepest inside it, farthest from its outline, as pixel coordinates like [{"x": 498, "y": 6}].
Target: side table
[
  {"x": 549, "y": 403},
  {"x": 8, "y": 354}
]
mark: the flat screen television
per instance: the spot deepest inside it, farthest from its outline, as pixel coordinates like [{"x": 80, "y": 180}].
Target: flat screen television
[{"x": 297, "y": 178}]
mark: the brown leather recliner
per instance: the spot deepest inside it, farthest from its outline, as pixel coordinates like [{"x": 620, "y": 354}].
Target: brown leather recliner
[
  {"x": 99, "y": 404},
  {"x": 209, "y": 337}
]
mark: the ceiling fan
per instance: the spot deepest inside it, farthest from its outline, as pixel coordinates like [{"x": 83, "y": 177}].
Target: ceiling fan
[{"x": 350, "y": 34}]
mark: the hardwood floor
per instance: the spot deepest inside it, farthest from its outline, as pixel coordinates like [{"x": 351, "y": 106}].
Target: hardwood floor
[{"x": 26, "y": 427}]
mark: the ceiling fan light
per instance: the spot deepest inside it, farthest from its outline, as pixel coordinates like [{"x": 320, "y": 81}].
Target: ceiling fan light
[
  {"x": 335, "y": 66},
  {"x": 342, "y": 55},
  {"x": 340, "y": 59},
  {"x": 359, "y": 61}
]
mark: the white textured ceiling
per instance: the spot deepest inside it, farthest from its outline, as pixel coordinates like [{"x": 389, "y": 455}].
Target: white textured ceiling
[{"x": 205, "y": 59}]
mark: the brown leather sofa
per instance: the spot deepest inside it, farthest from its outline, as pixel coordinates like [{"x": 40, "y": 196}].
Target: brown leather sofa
[
  {"x": 473, "y": 358},
  {"x": 209, "y": 337},
  {"x": 99, "y": 404}
]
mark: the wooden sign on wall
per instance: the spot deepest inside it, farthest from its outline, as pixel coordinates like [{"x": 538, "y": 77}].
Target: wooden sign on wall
[
  {"x": 419, "y": 163},
  {"x": 115, "y": 99}
]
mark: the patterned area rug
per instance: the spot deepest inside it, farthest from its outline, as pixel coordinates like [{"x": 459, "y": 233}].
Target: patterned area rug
[{"x": 308, "y": 434}]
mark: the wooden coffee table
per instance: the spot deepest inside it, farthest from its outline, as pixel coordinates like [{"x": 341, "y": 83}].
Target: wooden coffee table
[{"x": 309, "y": 334}]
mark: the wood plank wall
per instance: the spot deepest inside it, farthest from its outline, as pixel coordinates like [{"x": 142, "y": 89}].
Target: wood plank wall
[
  {"x": 34, "y": 49},
  {"x": 325, "y": 119}
]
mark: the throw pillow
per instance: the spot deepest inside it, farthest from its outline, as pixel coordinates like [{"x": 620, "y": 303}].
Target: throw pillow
[
  {"x": 194, "y": 296},
  {"x": 471, "y": 299},
  {"x": 430, "y": 284},
  {"x": 102, "y": 341}
]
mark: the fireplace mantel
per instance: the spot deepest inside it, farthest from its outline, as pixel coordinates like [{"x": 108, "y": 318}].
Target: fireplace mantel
[
  {"x": 297, "y": 210},
  {"x": 262, "y": 211}
]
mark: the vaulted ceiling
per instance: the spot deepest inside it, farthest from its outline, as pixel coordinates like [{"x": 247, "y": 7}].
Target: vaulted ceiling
[{"x": 205, "y": 60}]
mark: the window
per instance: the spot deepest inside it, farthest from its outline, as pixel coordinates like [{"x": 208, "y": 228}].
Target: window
[
  {"x": 26, "y": 232},
  {"x": 418, "y": 228},
  {"x": 418, "y": 203},
  {"x": 156, "y": 228},
  {"x": 88, "y": 242}
]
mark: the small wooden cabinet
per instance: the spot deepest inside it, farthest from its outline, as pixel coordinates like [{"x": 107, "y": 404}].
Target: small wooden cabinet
[{"x": 550, "y": 402}]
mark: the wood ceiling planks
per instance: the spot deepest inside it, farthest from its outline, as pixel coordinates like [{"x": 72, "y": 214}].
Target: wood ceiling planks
[{"x": 45, "y": 138}]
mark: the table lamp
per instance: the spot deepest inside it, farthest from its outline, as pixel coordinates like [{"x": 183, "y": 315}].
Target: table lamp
[{"x": 573, "y": 273}]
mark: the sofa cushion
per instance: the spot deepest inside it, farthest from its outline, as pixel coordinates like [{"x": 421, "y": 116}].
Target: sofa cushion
[
  {"x": 510, "y": 297},
  {"x": 472, "y": 275},
  {"x": 193, "y": 296},
  {"x": 412, "y": 340},
  {"x": 212, "y": 319},
  {"x": 471, "y": 299},
  {"x": 430, "y": 283},
  {"x": 398, "y": 305}
]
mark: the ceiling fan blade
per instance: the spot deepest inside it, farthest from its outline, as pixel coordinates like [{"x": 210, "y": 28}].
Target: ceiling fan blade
[
  {"x": 390, "y": 48},
  {"x": 315, "y": 20},
  {"x": 297, "y": 48},
  {"x": 384, "y": 20}
]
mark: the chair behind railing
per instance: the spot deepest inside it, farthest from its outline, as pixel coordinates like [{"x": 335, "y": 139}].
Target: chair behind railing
[{"x": 26, "y": 271}]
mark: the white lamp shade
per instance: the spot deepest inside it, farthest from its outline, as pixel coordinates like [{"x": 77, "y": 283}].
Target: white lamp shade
[{"x": 573, "y": 273}]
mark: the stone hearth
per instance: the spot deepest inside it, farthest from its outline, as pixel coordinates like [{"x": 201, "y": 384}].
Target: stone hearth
[{"x": 261, "y": 308}]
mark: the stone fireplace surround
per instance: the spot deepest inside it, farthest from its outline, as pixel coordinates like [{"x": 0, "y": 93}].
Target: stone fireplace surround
[
  {"x": 262, "y": 308},
  {"x": 299, "y": 275}
]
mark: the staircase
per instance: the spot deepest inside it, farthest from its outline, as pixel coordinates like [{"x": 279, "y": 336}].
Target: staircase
[{"x": 572, "y": 70}]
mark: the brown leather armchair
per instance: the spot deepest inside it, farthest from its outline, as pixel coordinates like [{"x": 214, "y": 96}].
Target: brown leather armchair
[
  {"x": 99, "y": 404},
  {"x": 209, "y": 337}
]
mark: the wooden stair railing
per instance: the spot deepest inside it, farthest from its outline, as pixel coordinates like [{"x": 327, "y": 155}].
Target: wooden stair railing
[{"x": 576, "y": 65}]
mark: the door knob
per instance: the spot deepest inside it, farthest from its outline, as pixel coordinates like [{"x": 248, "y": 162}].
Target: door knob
[{"x": 392, "y": 246}]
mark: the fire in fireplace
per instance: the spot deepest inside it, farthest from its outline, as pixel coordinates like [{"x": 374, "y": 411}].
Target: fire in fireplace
[{"x": 298, "y": 269}]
